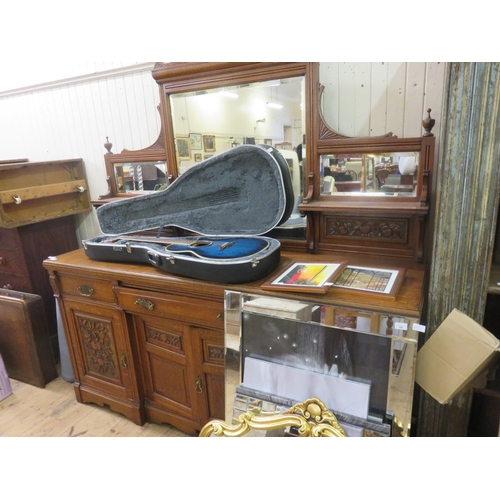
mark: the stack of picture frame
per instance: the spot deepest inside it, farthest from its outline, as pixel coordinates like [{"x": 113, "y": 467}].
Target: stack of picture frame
[{"x": 319, "y": 277}]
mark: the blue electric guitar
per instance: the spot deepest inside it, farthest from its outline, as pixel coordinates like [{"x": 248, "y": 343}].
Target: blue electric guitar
[{"x": 204, "y": 247}]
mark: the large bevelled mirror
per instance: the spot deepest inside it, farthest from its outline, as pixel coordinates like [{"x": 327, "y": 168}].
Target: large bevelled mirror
[
  {"x": 211, "y": 121},
  {"x": 209, "y": 108}
]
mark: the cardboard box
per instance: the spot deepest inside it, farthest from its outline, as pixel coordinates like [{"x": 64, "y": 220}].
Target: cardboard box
[
  {"x": 454, "y": 356},
  {"x": 5, "y": 387}
]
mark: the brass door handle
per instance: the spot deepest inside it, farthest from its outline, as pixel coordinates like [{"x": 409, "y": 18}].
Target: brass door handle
[
  {"x": 123, "y": 361},
  {"x": 199, "y": 385}
]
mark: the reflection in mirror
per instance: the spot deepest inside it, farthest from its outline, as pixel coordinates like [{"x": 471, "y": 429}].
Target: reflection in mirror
[
  {"x": 208, "y": 122},
  {"x": 333, "y": 343},
  {"x": 377, "y": 174},
  {"x": 140, "y": 176}
]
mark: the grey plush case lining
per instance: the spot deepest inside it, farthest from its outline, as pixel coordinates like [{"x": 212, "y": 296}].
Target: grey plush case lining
[{"x": 238, "y": 192}]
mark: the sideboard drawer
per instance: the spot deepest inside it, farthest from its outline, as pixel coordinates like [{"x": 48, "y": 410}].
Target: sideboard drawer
[
  {"x": 195, "y": 311},
  {"x": 84, "y": 286}
]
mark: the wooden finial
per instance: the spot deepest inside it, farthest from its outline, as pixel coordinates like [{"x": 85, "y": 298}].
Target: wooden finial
[
  {"x": 428, "y": 123},
  {"x": 108, "y": 146}
]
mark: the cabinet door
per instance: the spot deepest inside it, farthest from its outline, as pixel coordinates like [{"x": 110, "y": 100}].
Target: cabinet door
[
  {"x": 167, "y": 369},
  {"x": 208, "y": 359},
  {"x": 102, "y": 358},
  {"x": 183, "y": 371}
]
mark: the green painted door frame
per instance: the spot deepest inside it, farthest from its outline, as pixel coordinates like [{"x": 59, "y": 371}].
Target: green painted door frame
[{"x": 464, "y": 215}]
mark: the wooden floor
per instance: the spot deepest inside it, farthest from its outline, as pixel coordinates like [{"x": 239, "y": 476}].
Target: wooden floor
[{"x": 53, "y": 411}]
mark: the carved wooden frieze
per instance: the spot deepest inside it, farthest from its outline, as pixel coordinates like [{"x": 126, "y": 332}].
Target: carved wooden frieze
[
  {"x": 385, "y": 229},
  {"x": 162, "y": 337},
  {"x": 325, "y": 132},
  {"x": 97, "y": 340}
]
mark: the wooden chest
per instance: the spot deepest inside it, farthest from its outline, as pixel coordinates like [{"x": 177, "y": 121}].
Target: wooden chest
[
  {"x": 35, "y": 191},
  {"x": 38, "y": 201},
  {"x": 24, "y": 339},
  {"x": 22, "y": 251}
]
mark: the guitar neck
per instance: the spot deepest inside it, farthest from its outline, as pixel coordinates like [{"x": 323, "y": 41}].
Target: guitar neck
[{"x": 159, "y": 240}]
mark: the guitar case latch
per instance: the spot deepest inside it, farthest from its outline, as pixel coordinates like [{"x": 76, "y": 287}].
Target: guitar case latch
[{"x": 154, "y": 258}]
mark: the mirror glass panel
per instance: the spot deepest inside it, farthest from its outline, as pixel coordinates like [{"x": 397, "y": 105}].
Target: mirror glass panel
[
  {"x": 208, "y": 122},
  {"x": 327, "y": 346},
  {"x": 137, "y": 177},
  {"x": 377, "y": 174}
]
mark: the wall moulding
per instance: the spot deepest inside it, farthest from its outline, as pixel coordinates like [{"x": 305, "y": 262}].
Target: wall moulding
[{"x": 97, "y": 75}]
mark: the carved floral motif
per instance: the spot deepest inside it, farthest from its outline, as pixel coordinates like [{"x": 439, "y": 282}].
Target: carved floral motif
[
  {"x": 170, "y": 339},
  {"x": 98, "y": 344},
  {"x": 392, "y": 230},
  {"x": 215, "y": 352}
]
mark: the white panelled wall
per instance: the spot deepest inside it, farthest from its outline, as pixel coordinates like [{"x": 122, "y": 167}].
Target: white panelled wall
[
  {"x": 71, "y": 116},
  {"x": 371, "y": 99}
]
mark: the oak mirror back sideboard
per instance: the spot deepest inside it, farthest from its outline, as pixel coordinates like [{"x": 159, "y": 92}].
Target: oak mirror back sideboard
[{"x": 150, "y": 344}]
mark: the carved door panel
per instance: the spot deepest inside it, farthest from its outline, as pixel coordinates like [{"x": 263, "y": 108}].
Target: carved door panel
[
  {"x": 167, "y": 367},
  {"x": 101, "y": 350}
]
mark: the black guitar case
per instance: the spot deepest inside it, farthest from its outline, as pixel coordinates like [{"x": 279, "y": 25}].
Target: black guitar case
[{"x": 229, "y": 200}]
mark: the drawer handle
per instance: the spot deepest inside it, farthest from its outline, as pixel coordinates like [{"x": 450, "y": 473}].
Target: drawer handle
[
  {"x": 85, "y": 290},
  {"x": 16, "y": 199},
  {"x": 145, "y": 304},
  {"x": 80, "y": 189}
]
